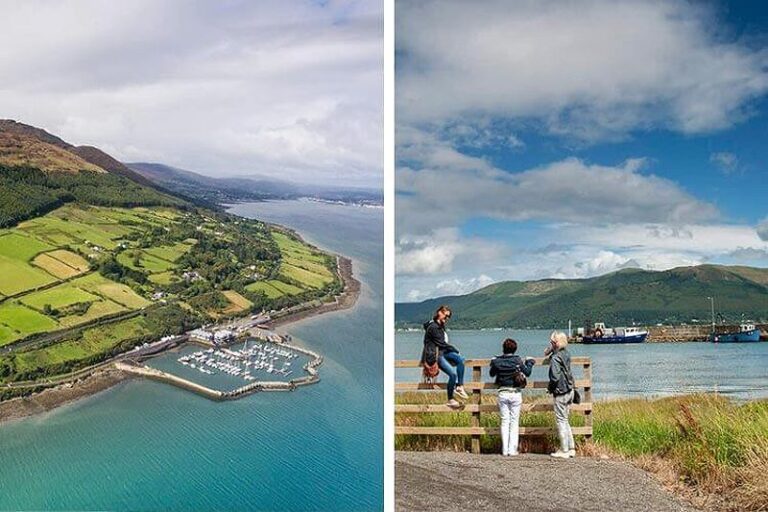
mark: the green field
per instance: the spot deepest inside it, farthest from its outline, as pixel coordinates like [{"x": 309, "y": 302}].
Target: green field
[
  {"x": 292, "y": 247},
  {"x": 96, "y": 310},
  {"x": 286, "y": 288},
  {"x": 304, "y": 277},
  {"x": 169, "y": 252},
  {"x": 266, "y": 288},
  {"x": 16, "y": 253},
  {"x": 302, "y": 264},
  {"x": 91, "y": 342},
  {"x": 25, "y": 276},
  {"x": 7, "y": 335},
  {"x": 117, "y": 292},
  {"x": 163, "y": 278},
  {"x": 58, "y": 297},
  {"x": 24, "y": 320},
  {"x": 18, "y": 247},
  {"x": 147, "y": 262}
]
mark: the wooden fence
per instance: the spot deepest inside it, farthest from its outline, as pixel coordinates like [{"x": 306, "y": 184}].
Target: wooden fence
[{"x": 474, "y": 405}]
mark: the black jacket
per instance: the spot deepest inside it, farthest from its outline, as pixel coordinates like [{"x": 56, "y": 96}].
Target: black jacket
[
  {"x": 560, "y": 376},
  {"x": 504, "y": 366},
  {"x": 435, "y": 341}
]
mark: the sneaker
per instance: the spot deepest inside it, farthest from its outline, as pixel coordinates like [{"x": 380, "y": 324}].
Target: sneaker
[
  {"x": 513, "y": 454},
  {"x": 560, "y": 455},
  {"x": 463, "y": 394},
  {"x": 572, "y": 453},
  {"x": 453, "y": 404}
]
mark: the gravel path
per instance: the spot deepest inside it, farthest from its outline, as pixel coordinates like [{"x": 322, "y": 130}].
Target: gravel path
[{"x": 461, "y": 481}]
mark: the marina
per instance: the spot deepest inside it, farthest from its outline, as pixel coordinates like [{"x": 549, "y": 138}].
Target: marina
[
  {"x": 246, "y": 362},
  {"x": 231, "y": 371}
]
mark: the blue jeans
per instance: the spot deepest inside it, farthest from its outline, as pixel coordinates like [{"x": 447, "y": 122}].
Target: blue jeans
[{"x": 447, "y": 362}]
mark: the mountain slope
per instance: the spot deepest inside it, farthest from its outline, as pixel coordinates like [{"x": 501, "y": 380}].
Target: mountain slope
[
  {"x": 39, "y": 172},
  {"x": 631, "y": 295}
]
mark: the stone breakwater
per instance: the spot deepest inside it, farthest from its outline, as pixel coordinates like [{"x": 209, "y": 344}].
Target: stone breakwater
[
  {"x": 214, "y": 394},
  {"x": 685, "y": 333}
]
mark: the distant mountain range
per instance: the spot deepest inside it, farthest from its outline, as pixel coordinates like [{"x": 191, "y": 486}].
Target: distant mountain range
[
  {"x": 247, "y": 188},
  {"x": 619, "y": 298}
]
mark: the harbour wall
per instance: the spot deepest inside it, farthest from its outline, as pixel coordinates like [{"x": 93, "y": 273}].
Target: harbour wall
[
  {"x": 685, "y": 333},
  {"x": 152, "y": 373}
]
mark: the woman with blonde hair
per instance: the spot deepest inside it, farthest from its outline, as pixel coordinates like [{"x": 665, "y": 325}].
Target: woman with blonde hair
[{"x": 562, "y": 389}]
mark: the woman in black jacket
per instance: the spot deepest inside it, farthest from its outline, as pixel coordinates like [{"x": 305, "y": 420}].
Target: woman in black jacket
[
  {"x": 438, "y": 350},
  {"x": 509, "y": 370}
]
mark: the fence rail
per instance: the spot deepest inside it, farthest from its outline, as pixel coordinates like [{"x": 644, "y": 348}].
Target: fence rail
[{"x": 475, "y": 407}]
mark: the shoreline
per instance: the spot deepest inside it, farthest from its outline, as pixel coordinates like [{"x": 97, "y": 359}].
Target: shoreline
[
  {"x": 64, "y": 394},
  {"x": 103, "y": 379}
]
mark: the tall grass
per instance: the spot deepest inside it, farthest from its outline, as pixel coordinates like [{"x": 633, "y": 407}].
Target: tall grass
[{"x": 706, "y": 444}]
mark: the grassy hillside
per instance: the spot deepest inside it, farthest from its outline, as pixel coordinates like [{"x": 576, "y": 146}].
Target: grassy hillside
[
  {"x": 40, "y": 172},
  {"x": 93, "y": 261},
  {"x": 672, "y": 296}
]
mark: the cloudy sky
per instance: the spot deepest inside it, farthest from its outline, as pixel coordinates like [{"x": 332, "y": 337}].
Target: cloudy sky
[
  {"x": 574, "y": 138},
  {"x": 290, "y": 89}
]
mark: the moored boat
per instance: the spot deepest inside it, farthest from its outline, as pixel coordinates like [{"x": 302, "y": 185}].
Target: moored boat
[
  {"x": 616, "y": 335},
  {"x": 747, "y": 333}
]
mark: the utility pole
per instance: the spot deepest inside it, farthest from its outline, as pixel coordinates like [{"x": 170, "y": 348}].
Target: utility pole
[{"x": 712, "y": 303}]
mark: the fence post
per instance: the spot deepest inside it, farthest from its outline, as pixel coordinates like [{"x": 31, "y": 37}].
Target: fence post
[
  {"x": 588, "y": 398},
  {"x": 477, "y": 398}
]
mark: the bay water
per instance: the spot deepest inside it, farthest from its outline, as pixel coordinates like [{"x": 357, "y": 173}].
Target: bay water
[
  {"x": 145, "y": 445},
  {"x": 738, "y": 370}
]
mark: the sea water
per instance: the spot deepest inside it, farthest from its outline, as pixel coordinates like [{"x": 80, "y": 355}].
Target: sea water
[
  {"x": 147, "y": 445},
  {"x": 738, "y": 370}
]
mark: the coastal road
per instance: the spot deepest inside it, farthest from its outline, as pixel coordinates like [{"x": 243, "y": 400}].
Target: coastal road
[{"x": 449, "y": 481}]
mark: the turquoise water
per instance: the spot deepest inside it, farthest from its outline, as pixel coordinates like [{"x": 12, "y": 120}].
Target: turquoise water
[
  {"x": 739, "y": 370},
  {"x": 146, "y": 445}
]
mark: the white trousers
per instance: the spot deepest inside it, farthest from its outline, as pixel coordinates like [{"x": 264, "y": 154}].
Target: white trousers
[
  {"x": 509, "y": 409},
  {"x": 561, "y": 405}
]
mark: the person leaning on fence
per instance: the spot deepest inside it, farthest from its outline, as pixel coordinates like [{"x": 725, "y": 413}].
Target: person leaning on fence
[
  {"x": 438, "y": 353},
  {"x": 561, "y": 386},
  {"x": 510, "y": 371}
]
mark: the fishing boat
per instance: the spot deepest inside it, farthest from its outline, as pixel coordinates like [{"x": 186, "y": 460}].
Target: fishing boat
[
  {"x": 747, "y": 333},
  {"x": 615, "y": 335}
]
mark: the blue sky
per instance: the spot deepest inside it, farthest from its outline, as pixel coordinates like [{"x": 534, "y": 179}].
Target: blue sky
[{"x": 577, "y": 139}]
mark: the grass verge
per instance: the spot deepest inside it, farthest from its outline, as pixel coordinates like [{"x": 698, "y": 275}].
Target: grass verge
[{"x": 712, "y": 449}]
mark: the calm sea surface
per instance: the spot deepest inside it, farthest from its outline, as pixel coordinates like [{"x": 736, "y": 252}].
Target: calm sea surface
[
  {"x": 146, "y": 445},
  {"x": 647, "y": 369}
]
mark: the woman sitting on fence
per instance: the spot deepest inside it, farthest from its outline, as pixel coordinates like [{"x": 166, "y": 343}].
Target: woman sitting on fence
[
  {"x": 438, "y": 352},
  {"x": 510, "y": 372},
  {"x": 561, "y": 386}
]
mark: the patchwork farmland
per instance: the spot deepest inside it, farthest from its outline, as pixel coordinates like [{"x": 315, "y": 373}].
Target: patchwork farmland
[{"x": 101, "y": 279}]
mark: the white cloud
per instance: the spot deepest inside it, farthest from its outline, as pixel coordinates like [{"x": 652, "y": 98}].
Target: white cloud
[
  {"x": 428, "y": 254},
  {"x": 749, "y": 254},
  {"x": 463, "y": 286},
  {"x": 591, "y": 70},
  {"x": 440, "y": 250},
  {"x": 442, "y": 185},
  {"x": 727, "y": 162},
  {"x": 291, "y": 89},
  {"x": 762, "y": 229}
]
